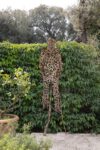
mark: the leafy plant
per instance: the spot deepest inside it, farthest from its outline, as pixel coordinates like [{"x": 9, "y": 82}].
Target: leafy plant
[
  {"x": 15, "y": 87},
  {"x": 23, "y": 142}
]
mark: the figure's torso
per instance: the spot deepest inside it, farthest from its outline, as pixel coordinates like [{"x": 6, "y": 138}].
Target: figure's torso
[{"x": 51, "y": 63}]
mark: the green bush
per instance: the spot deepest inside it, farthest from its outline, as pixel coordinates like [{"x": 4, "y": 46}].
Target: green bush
[
  {"x": 79, "y": 86},
  {"x": 15, "y": 87},
  {"x": 23, "y": 142}
]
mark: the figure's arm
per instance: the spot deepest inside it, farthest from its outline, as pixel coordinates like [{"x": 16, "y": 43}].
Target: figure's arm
[
  {"x": 60, "y": 64},
  {"x": 59, "y": 60},
  {"x": 41, "y": 62}
]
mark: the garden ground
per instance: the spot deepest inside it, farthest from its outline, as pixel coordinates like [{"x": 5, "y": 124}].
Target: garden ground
[{"x": 66, "y": 141}]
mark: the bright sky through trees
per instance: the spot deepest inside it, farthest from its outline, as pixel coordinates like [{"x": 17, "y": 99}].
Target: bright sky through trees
[{"x": 30, "y": 4}]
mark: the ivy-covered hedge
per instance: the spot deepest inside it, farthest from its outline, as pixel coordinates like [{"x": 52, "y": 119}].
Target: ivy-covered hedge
[{"x": 79, "y": 86}]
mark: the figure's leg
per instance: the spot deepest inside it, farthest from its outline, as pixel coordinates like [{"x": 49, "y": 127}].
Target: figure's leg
[
  {"x": 45, "y": 97},
  {"x": 56, "y": 95}
]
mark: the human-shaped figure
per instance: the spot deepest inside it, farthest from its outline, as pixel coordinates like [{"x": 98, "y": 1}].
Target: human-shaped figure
[{"x": 51, "y": 66}]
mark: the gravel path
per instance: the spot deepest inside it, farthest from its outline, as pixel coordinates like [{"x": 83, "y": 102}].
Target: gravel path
[{"x": 66, "y": 141}]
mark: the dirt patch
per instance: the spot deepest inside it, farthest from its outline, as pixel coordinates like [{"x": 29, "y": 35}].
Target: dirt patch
[{"x": 66, "y": 141}]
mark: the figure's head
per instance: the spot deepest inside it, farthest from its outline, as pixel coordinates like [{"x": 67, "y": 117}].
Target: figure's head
[{"x": 51, "y": 43}]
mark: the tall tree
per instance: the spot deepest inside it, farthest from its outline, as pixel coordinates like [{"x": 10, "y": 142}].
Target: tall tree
[
  {"x": 14, "y": 26},
  {"x": 6, "y": 24},
  {"x": 20, "y": 26},
  {"x": 70, "y": 32},
  {"x": 21, "y": 21},
  {"x": 48, "y": 22},
  {"x": 85, "y": 18}
]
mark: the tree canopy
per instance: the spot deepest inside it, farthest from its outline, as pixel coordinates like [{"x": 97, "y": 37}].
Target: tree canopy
[
  {"x": 85, "y": 18},
  {"x": 36, "y": 25}
]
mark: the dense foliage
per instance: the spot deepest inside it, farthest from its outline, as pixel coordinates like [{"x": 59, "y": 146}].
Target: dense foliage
[
  {"x": 79, "y": 86},
  {"x": 86, "y": 21},
  {"x": 15, "y": 87},
  {"x": 35, "y": 25}
]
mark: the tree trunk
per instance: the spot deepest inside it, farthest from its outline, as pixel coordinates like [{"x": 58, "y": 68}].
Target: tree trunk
[
  {"x": 82, "y": 22},
  {"x": 84, "y": 36}
]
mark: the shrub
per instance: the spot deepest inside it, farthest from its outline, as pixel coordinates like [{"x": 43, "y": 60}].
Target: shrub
[
  {"x": 15, "y": 87},
  {"x": 23, "y": 142},
  {"x": 79, "y": 86}
]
